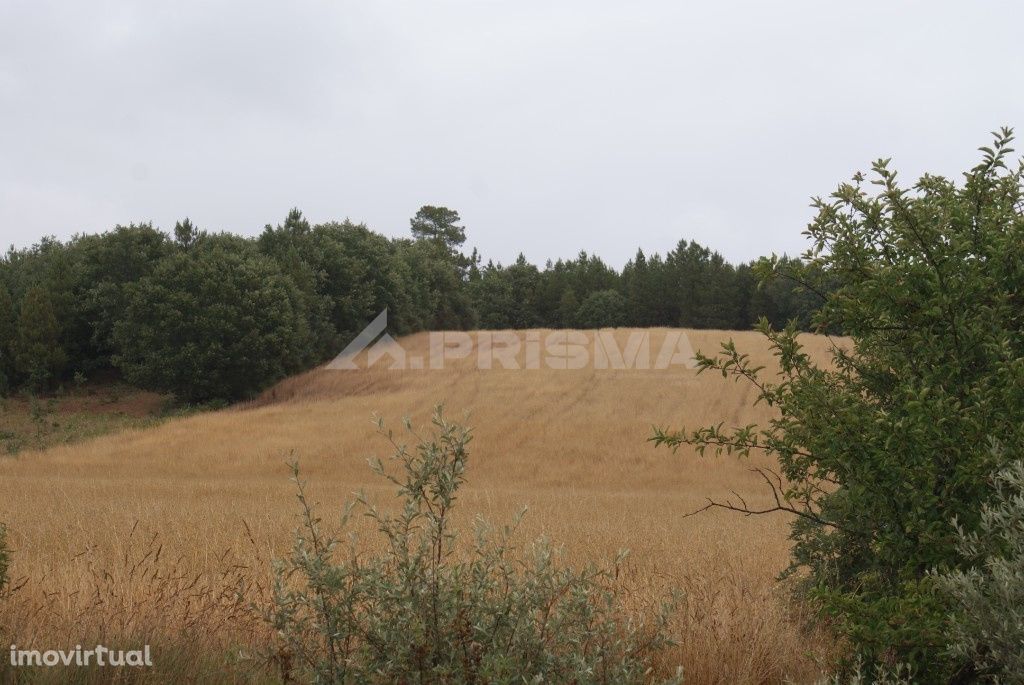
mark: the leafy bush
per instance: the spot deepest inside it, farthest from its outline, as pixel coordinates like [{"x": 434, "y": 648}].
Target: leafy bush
[
  {"x": 989, "y": 625},
  {"x": 429, "y": 610},
  {"x": 878, "y": 450}
]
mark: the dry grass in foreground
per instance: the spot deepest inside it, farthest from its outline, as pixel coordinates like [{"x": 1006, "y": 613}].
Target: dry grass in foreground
[{"x": 148, "y": 535}]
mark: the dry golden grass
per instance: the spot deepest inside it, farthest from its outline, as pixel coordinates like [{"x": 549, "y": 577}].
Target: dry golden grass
[{"x": 212, "y": 493}]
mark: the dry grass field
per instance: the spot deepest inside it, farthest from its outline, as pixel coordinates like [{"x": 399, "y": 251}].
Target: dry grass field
[{"x": 149, "y": 534}]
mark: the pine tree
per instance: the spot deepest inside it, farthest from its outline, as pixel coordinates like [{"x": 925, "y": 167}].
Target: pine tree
[
  {"x": 438, "y": 224},
  {"x": 186, "y": 233},
  {"x": 38, "y": 353},
  {"x": 7, "y": 338},
  {"x": 567, "y": 307}
]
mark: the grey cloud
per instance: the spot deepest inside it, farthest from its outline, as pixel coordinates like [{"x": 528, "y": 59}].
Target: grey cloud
[{"x": 552, "y": 126}]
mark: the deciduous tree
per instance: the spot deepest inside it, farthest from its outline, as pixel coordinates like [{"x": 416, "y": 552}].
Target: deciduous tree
[{"x": 880, "y": 450}]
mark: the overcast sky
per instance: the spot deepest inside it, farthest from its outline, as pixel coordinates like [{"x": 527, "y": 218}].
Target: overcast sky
[{"x": 550, "y": 125}]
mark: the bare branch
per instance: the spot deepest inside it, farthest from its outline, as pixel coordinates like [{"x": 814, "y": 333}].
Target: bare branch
[{"x": 780, "y": 506}]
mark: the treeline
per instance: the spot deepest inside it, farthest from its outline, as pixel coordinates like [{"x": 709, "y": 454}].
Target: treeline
[
  {"x": 215, "y": 316},
  {"x": 690, "y": 287}
]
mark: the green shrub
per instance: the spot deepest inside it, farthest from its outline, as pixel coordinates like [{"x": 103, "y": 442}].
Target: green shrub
[
  {"x": 430, "y": 610},
  {"x": 878, "y": 450},
  {"x": 988, "y": 628}
]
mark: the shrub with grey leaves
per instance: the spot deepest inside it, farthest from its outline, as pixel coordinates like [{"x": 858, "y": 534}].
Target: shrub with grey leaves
[
  {"x": 989, "y": 625},
  {"x": 431, "y": 608}
]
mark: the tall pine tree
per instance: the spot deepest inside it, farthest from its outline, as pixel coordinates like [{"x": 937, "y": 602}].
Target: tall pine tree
[
  {"x": 8, "y": 332},
  {"x": 39, "y": 355}
]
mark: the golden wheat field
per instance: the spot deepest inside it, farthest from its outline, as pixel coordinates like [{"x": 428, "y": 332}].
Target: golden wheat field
[{"x": 152, "y": 533}]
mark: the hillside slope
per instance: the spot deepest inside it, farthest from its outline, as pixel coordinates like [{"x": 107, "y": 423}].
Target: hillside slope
[{"x": 569, "y": 444}]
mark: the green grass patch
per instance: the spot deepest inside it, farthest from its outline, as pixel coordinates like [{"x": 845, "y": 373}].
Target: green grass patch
[{"x": 39, "y": 422}]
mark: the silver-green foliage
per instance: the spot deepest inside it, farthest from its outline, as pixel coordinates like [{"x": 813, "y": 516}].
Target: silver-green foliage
[
  {"x": 900, "y": 674},
  {"x": 989, "y": 626},
  {"x": 430, "y": 608}
]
